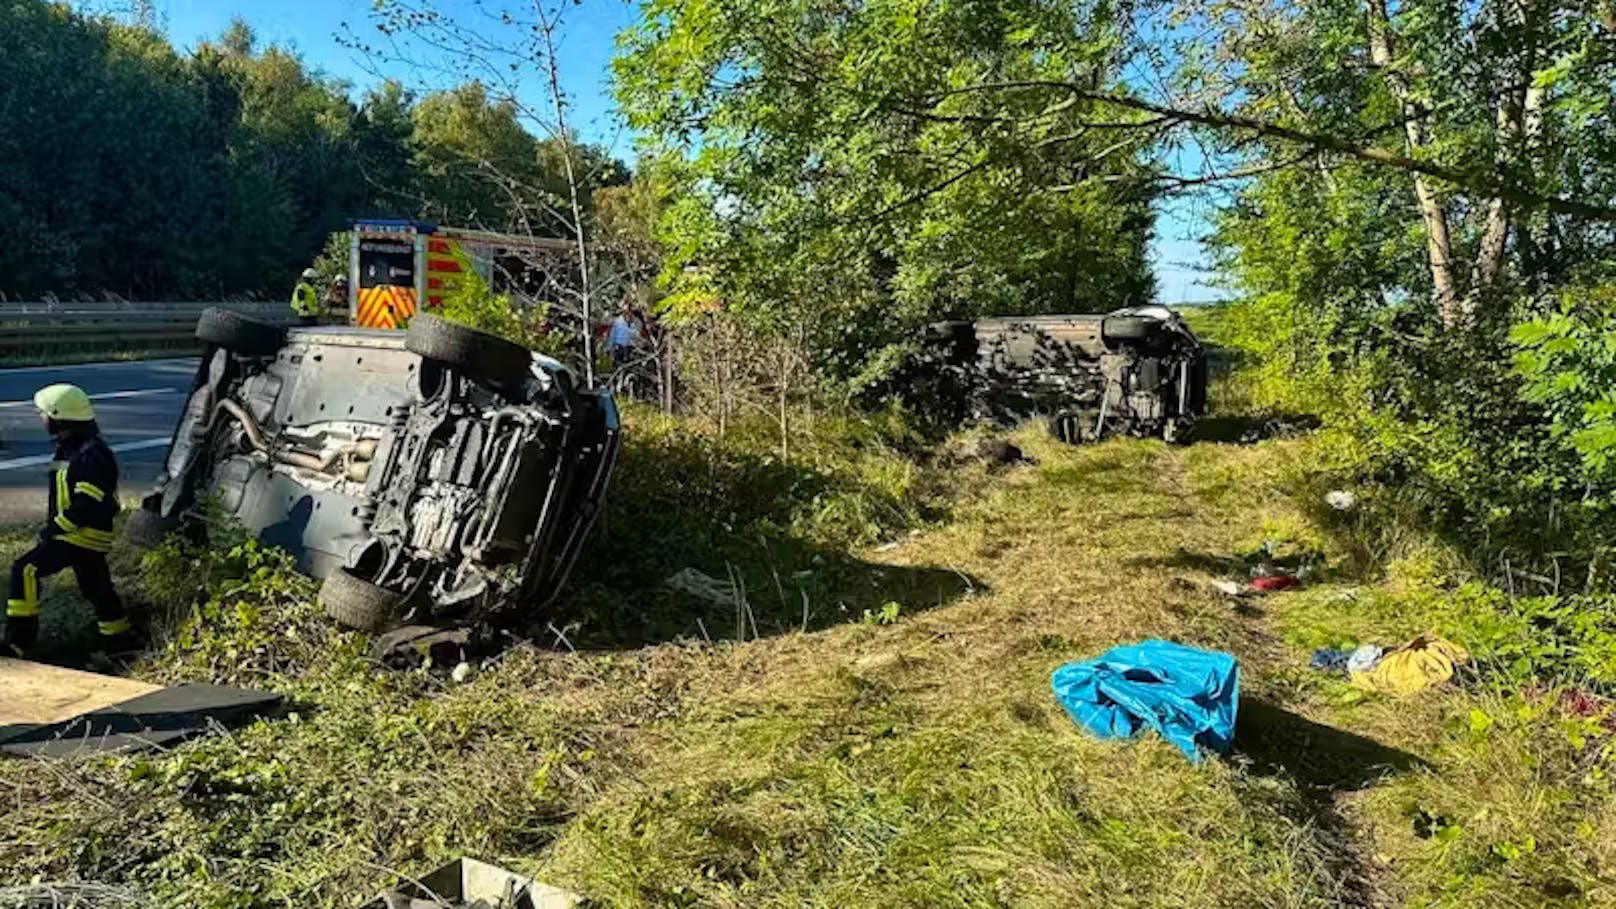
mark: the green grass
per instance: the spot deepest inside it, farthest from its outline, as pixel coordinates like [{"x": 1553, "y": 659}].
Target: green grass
[{"x": 899, "y": 747}]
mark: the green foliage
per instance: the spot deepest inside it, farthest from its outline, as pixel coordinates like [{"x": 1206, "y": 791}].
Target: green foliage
[
  {"x": 476, "y": 164},
  {"x": 814, "y": 200},
  {"x": 686, "y": 495},
  {"x": 469, "y": 300},
  {"x": 1492, "y": 428},
  {"x": 131, "y": 169},
  {"x": 1543, "y": 637},
  {"x": 1567, "y": 360},
  {"x": 904, "y": 732},
  {"x": 364, "y": 769}
]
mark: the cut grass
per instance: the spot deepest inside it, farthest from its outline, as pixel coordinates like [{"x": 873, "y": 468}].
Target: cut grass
[{"x": 913, "y": 757}]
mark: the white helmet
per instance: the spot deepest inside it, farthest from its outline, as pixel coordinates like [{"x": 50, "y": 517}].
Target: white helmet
[{"x": 310, "y": 274}]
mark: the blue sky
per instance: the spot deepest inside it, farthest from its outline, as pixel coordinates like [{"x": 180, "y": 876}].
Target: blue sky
[{"x": 314, "y": 28}]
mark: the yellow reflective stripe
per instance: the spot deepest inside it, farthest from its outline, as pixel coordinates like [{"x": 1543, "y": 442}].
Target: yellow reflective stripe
[
  {"x": 84, "y": 543},
  {"x": 65, "y": 524},
  {"x": 61, "y": 489},
  {"x": 90, "y": 489},
  {"x": 21, "y": 609},
  {"x": 30, "y": 588},
  {"x": 116, "y": 626}
]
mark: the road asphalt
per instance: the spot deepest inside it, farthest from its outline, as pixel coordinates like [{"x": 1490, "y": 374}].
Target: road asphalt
[{"x": 137, "y": 404}]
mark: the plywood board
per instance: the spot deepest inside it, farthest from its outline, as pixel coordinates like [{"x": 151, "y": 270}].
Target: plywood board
[{"x": 36, "y": 693}]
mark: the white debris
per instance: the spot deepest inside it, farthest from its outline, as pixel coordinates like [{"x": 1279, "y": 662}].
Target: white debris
[
  {"x": 1340, "y": 499},
  {"x": 1364, "y": 658},
  {"x": 461, "y": 673},
  {"x": 1229, "y": 588},
  {"x": 702, "y": 587}
]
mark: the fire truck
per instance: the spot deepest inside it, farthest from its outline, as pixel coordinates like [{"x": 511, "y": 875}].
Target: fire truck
[{"x": 394, "y": 267}]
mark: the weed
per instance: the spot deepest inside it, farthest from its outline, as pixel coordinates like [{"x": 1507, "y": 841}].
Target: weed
[{"x": 819, "y": 757}]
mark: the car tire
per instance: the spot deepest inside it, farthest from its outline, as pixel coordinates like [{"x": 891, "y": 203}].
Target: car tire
[
  {"x": 467, "y": 350},
  {"x": 357, "y": 603},
  {"x": 1128, "y": 328},
  {"x": 145, "y": 528},
  {"x": 238, "y": 333}
]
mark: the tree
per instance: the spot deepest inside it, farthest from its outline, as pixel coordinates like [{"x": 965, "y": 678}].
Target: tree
[
  {"x": 474, "y": 159},
  {"x": 836, "y": 180},
  {"x": 126, "y": 168},
  {"x": 509, "y": 125},
  {"x": 1487, "y": 99}
]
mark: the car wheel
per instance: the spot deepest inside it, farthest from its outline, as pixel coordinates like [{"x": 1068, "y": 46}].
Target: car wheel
[
  {"x": 145, "y": 528},
  {"x": 357, "y": 603},
  {"x": 238, "y": 333},
  {"x": 476, "y": 353},
  {"x": 1127, "y": 328}
]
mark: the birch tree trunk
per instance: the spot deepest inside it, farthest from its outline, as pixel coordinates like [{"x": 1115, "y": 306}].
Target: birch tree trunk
[
  {"x": 1451, "y": 309},
  {"x": 1519, "y": 124}
]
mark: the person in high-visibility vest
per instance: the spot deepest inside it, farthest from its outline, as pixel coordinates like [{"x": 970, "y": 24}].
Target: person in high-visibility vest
[
  {"x": 305, "y": 299},
  {"x": 82, "y": 501}
]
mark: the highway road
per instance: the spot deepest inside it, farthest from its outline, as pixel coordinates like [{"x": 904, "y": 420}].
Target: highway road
[{"x": 137, "y": 403}]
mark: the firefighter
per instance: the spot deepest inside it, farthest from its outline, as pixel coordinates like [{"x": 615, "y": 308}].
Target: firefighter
[
  {"x": 305, "y": 299},
  {"x": 336, "y": 297},
  {"x": 82, "y": 500}
]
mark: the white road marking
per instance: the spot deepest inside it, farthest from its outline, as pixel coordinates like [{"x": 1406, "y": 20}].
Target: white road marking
[
  {"x": 74, "y": 367},
  {"x": 106, "y": 395},
  {"x": 40, "y": 460}
]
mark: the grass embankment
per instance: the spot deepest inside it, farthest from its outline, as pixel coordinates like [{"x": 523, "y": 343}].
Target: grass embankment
[{"x": 884, "y": 735}]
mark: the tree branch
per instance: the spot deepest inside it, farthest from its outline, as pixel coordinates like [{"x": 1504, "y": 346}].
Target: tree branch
[{"x": 1212, "y": 117}]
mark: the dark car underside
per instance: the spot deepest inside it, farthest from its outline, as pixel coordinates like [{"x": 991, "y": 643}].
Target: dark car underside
[
  {"x": 433, "y": 476},
  {"x": 1138, "y": 372}
]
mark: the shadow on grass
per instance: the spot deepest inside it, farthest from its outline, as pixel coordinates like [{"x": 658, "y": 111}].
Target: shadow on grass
[
  {"x": 831, "y": 589},
  {"x": 769, "y": 542},
  {"x": 1322, "y": 761},
  {"x": 1316, "y": 756},
  {"x": 1217, "y": 565},
  {"x": 1248, "y": 429}
]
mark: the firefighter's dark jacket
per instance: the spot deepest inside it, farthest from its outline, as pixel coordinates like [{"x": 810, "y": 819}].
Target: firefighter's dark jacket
[{"x": 83, "y": 492}]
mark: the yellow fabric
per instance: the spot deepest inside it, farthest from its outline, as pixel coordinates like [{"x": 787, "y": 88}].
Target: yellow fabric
[
  {"x": 1423, "y": 662},
  {"x": 61, "y": 490},
  {"x": 305, "y": 301},
  {"x": 65, "y": 524},
  {"x": 90, "y": 489},
  {"x": 64, "y": 402},
  {"x": 21, "y": 609},
  {"x": 116, "y": 626}
]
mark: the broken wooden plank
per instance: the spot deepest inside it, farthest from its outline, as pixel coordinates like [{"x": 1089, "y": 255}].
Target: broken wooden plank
[
  {"x": 35, "y": 693},
  {"x": 48, "y": 711}
]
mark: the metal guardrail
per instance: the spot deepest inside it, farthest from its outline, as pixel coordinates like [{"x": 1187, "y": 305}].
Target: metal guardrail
[{"x": 27, "y": 328}]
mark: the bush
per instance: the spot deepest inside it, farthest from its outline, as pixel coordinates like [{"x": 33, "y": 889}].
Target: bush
[{"x": 469, "y": 300}]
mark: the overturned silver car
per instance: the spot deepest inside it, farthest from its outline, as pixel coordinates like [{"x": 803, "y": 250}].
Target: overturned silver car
[
  {"x": 430, "y": 476},
  {"x": 1138, "y": 372}
]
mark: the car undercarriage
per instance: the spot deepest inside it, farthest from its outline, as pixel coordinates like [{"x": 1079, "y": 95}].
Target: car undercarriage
[
  {"x": 439, "y": 475},
  {"x": 1137, "y": 372}
]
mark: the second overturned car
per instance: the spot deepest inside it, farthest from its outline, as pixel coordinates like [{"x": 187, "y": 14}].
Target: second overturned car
[
  {"x": 439, "y": 475},
  {"x": 1136, "y": 372}
]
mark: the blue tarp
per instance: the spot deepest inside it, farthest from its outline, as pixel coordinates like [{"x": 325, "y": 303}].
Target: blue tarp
[{"x": 1188, "y": 695}]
